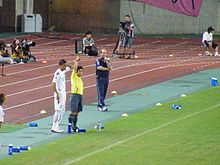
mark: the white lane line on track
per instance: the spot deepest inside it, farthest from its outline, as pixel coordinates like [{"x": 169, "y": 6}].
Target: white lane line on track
[
  {"x": 40, "y": 38},
  {"x": 55, "y": 64},
  {"x": 136, "y": 46},
  {"x": 93, "y": 85},
  {"x": 147, "y": 131},
  {"x": 146, "y": 44},
  {"x": 52, "y": 73},
  {"x": 102, "y": 39},
  {"x": 133, "y": 65},
  {"x": 110, "y": 44},
  {"x": 43, "y": 76},
  {"x": 52, "y": 42},
  {"x": 115, "y": 69}
]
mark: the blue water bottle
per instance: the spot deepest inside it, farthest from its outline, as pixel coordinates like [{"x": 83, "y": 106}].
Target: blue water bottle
[
  {"x": 15, "y": 149},
  {"x": 81, "y": 130},
  {"x": 23, "y": 148},
  {"x": 10, "y": 146},
  {"x": 69, "y": 128},
  {"x": 33, "y": 124}
]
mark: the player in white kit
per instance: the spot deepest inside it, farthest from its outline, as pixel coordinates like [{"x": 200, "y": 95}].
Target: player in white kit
[
  {"x": 59, "y": 88},
  {"x": 2, "y": 100}
]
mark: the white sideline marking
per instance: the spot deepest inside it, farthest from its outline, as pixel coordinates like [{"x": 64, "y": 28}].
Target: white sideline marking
[{"x": 140, "y": 134}]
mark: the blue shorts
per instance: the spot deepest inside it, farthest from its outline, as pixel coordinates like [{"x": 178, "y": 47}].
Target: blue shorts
[
  {"x": 127, "y": 42},
  {"x": 76, "y": 103}
]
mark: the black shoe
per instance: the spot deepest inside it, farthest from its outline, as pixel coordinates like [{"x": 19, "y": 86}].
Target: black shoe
[{"x": 75, "y": 130}]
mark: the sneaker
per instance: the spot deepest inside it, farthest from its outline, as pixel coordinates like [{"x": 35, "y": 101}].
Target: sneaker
[
  {"x": 136, "y": 57},
  {"x": 216, "y": 54},
  {"x": 208, "y": 53},
  {"x": 60, "y": 130},
  {"x": 104, "y": 109},
  {"x": 57, "y": 130},
  {"x": 75, "y": 130},
  {"x": 99, "y": 108},
  {"x": 128, "y": 57}
]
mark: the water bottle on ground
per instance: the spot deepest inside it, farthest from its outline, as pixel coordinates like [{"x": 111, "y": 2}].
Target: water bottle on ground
[
  {"x": 23, "y": 148},
  {"x": 69, "y": 128},
  {"x": 33, "y": 124},
  {"x": 81, "y": 130},
  {"x": 15, "y": 149},
  {"x": 10, "y": 146},
  {"x": 98, "y": 126}
]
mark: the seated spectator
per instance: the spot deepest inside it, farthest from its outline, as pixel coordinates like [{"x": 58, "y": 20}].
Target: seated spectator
[
  {"x": 2, "y": 46},
  {"x": 5, "y": 57},
  {"x": 6, "y": 54},
  {"x": 207, "y": 40},
  {"x": 17, "y": 53},
  {"x": 89, "y": 45}
]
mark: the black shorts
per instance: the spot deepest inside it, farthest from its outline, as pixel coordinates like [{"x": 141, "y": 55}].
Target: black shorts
[
  {"x": 76, "y": 103},
  {"x": 214, "y": 45},
  {"x": 208, "y": 44}
]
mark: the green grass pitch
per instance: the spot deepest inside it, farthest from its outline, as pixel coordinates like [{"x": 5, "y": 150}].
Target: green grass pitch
[{"x": 158, "y": 135}]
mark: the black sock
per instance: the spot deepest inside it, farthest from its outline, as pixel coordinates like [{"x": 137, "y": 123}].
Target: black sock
[
  {"x": 75, "y": 118},
  {"x": 70, "y": 119}
]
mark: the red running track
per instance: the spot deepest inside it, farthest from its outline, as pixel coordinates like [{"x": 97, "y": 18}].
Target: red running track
[{"x": 28, "y": 86}]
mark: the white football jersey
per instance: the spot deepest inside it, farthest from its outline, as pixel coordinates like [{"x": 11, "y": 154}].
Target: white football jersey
[{"x": 60, "y": 80}]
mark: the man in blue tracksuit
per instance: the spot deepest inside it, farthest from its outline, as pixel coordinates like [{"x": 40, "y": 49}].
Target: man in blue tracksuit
[{"x": 103, "y": 66}]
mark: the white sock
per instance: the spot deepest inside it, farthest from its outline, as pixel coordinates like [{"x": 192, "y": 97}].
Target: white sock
[
  {"x": 55, "y": 119},
  {"x": 59, "y": 120}
]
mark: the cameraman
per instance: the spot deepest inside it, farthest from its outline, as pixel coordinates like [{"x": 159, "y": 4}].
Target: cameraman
[
  {"x": 128, "y": 28},
  {"x": 25, "y": 45}
]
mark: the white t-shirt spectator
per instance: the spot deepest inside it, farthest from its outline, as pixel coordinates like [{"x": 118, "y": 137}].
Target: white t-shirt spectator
[{"x": 207, "y": 37}]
